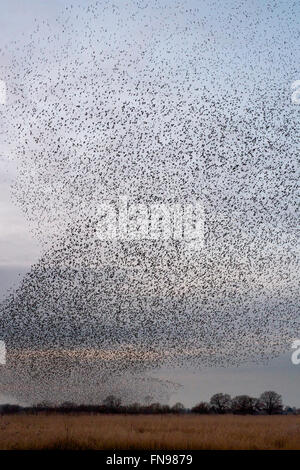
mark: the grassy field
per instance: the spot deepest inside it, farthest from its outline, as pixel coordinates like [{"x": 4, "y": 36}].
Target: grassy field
[{"x": 122, "y": 432}]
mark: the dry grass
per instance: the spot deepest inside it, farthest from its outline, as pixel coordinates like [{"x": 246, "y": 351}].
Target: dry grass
[{"x": 121, "y": 432}]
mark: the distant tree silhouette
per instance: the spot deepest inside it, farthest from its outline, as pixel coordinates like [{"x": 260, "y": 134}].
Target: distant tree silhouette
[
  {"x": 271, "y": 402},
  {"x": 148, "y": 399},
  {"x": 221, "y": 402},
  {"x": 112, "y": 402},
  {"x": 178, "y": 407},
  {"x": 165, "y": 409},
  {"x": 68, "y": 405},
  {"x": 8, "y": 408},
  {"x": 201, "y": 408},
  {"x": 156, "y": 408},
  {"x": 44, "y": 404},
  {"x": 243, "y": 404},
  {"x": 290, "y": 410},
  {"x": 134, "y": 408}
]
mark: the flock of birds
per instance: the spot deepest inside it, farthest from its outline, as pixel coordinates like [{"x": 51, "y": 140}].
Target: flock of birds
[{"x": 138, "y": 100}]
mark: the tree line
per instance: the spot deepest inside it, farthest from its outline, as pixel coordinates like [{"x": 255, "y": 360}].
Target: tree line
[{"x": 269, "y": 403}]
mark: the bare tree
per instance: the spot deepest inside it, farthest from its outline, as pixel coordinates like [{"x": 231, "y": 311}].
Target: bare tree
[
  {"x": 44, "y": 404},
  {"x": 178, "y": 407},
  {"x": 243, "y": 404},
  {"x": 134, "y": 408},
  {"x": 148, "y": 399},
  {"x": 68, "y": 405},
  {"x": 112, "y": 402},
  {"x": 8, "y": 408},
  {"x": 201, "y": 408},
  {"x": 155, "y": 407},
  {"x": 271, "y": 402},
  {"x": 221, "y": 402}
]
